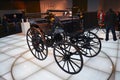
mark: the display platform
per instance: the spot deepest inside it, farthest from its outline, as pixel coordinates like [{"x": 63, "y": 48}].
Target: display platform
[
  {"x": 18, "y": 63},
  {"x": 26, "y": 65}
]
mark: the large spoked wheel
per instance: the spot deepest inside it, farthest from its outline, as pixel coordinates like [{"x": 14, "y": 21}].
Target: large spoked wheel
[
  {"x": 68, "y": 58},
  {"x": 36, "y": 43},
  {"x": 89, "y": 44}
]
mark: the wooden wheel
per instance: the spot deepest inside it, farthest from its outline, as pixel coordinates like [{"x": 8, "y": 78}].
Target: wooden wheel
[
  {"x": 68, "y": 58},
  {"x": 89, "y": 44},
  {"x": 35, "y": 43}
]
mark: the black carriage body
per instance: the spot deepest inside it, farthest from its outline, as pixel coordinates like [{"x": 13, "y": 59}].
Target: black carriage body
[
  {"x": 69, "y": 24},
  {"x": 61, "y": 24}
]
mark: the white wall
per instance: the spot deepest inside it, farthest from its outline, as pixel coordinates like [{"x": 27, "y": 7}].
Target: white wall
[
  {"x": 114, "y": 4},
  {"x": 93, "y": 5},
  {"x": 55, "y": 5}
]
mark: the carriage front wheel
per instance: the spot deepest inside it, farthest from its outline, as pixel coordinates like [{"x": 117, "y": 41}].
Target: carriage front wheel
[{"x": 68, "y": 58}]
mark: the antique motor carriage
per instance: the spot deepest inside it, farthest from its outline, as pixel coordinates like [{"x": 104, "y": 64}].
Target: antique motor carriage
[{"x": 67, "y": 37}]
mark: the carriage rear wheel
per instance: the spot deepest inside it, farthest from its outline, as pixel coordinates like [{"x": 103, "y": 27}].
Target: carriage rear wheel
[
  {"x": 68, "y": 58},
  {"x": 89, "y": 44},
  {"x": 36, "y": 44}
]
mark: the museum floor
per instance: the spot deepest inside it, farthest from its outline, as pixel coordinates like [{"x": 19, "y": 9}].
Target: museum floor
[{"x": 17, "y": 62}]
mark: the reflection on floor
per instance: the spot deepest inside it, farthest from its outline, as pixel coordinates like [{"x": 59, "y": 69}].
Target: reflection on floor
[{"x": 17, "y": 62}]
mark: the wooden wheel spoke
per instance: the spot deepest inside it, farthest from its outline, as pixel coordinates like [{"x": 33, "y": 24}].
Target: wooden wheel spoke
[
  {"x": 93, "y": 50},
  {"x": 75, "y": 59},
  {"x": 72, "y": 66},
  {"x": 58, "y": 56},
  {"x": 59, "y": 52},
  {"x": 74, "y": 63},
  {"x": 68, "y": 66},
  {"x": 64, "y": 64}
]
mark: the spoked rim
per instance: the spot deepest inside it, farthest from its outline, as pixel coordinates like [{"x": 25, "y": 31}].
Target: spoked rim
[
  {"x": 89, "y": 44},
  {"x": 36, "y": 44},
  {"x": 68, "y": 58}
]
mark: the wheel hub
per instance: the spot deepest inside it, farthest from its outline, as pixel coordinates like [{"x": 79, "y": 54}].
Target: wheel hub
[
  {"x": 87, "y": 46},
  {"x": 35, "y": 42},
  {"x": 66, "y": 57},
  {"x": 49, "y": 42}
]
